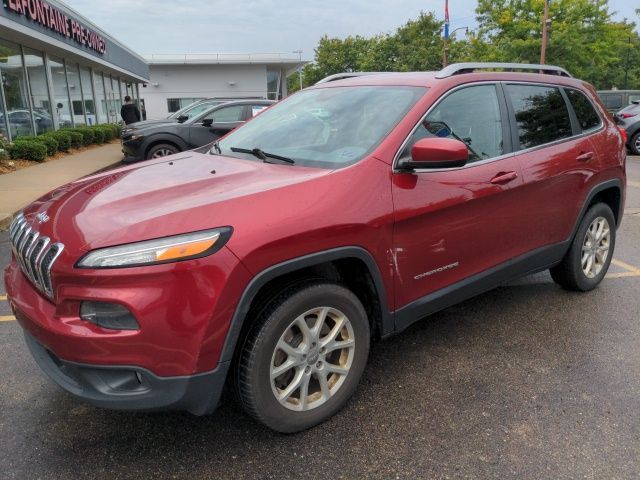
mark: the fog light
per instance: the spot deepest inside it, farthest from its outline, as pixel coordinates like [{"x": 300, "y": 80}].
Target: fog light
[{"x": 108, "y": 315}]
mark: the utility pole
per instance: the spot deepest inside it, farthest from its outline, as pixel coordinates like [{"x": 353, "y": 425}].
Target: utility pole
[
  {"x": 626, "y": 66},
  {"x": 545, "y": 33}
]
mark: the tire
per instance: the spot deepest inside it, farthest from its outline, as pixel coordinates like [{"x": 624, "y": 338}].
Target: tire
[
  {"x": 162, "y": 150},
  {"x": 574, "y": 274},
  {"x": 634, "y": 144},
  {"x": 306, "y": 363}
]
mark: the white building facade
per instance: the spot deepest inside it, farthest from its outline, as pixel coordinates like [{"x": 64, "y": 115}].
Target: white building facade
[{"x": 178, "y": 80}]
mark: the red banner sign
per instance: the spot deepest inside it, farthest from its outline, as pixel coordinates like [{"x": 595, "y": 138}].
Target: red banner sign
[{"x": 48, "y": 16}]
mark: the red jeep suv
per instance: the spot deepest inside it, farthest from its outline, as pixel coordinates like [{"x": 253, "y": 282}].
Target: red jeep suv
[{"x": 342, "y": 214}]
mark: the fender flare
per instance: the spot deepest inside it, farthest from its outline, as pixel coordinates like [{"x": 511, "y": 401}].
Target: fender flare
[
  {"x": 164, "y": 137},
  {"x": 617, "y": 183},
  {"x": 288, "y": 266}
]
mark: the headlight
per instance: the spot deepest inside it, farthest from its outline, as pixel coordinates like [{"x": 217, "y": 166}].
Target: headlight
[
  {"x": 161, "y": 250},
  {"x": 136, "y": 136}
]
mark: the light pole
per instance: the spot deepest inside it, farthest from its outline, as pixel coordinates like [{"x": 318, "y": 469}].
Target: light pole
[
  {"x": 299, "y": 52},
  {"x": 445, "y": 58}
]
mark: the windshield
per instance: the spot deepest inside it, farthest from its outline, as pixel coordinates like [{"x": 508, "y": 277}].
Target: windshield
[{"x": 326, "y": 127}]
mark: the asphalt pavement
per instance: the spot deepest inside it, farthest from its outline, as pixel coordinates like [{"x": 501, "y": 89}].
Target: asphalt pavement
[{"x": 525, "y": 382}]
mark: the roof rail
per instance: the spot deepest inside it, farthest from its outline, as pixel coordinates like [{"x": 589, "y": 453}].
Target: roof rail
[
  {"x": 460, "y": 68},
  {"x": 342, "y": 76}
]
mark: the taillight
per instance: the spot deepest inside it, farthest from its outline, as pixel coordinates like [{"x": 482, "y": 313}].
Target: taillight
[
  {"x": 623, "y": 132},
  {"x": 628, "y": 115}
]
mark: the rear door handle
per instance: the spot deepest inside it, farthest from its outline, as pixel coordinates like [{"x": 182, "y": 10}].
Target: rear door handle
[
  {"x": 504, "y": 177},
  {"x": 585, "y": 157}
]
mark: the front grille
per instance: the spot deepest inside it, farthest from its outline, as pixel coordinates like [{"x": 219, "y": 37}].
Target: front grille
[{"x": 35, "y": 254}]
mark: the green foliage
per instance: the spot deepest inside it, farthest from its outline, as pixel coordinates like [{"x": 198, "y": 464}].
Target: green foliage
[
  {"x": 583, "y": 38},
  {"x": 107, "y": 132},
  {"x": 77, "y": 139},
  {"x": 63, "y": 137},
  {"x": 98, "y": 135},
  {"x": 50, "y": 142},
  {"x": 87, "y": 135},
  {"x": 28, "y": 149}
]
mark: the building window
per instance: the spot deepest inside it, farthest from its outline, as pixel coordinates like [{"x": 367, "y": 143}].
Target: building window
[
  {"x": 175, "y": 104},
  {"x": 61, "y": 103},
  {"x": 273, "y": 85},
  {"x": 40, "y": 102},
  {"x": 87, "y": 95},
  {"x": 101, "y": 102},
  {"x": 15, "y": 90},
  {"x": 75, "y": 91}
]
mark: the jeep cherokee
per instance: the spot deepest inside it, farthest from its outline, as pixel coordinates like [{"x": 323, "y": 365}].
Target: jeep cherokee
[{"x": 271, "y": 258}]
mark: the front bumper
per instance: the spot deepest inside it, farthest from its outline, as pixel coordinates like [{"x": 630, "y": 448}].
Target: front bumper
[
  {"x": 131, "y": 388},
  {"x": 132, "y": 150}
]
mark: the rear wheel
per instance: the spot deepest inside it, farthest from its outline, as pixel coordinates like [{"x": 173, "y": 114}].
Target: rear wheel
[
  {"x": 304, "y": 357},
  {"x": 634, "y": 144},
  {"x": 162, "y": 150},
  {"x": 588, "y": 259}
]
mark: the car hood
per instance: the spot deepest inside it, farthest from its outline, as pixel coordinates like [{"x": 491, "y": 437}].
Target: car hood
[{"x": 178, "y": 194}]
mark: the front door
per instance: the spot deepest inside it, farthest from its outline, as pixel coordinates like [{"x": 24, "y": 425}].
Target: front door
[
  {"x": 215, "y": 124},
  {"x": 451, "y": 224}
]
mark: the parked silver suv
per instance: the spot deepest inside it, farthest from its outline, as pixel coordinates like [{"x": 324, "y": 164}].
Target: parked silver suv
[{"x": 629, "y": 119}]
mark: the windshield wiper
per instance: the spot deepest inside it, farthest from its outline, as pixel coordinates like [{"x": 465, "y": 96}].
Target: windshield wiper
[{"x": 262, "y": 155}]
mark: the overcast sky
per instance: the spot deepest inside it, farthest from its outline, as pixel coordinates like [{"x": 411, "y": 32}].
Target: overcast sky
[{"x": 264, "y": 26}]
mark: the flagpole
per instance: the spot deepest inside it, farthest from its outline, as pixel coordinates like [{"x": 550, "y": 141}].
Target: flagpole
[
  {"x": 545, "y": 33},
  {"x": 445, "y": 56}
]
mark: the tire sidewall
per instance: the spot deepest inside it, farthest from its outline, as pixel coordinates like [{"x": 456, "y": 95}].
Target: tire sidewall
[
  {"x": 632, "y": 144},
  {"x": 162, "y": 146},
  {"x": 272, "y": 412},
  {"x": 599, "y": 210}
]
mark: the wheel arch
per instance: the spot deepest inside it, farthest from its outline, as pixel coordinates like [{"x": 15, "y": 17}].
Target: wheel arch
[
  {"x": 169, "y": 140},
  {"x": 609, "y": 192},
  {"x": 330, "y": 265}
]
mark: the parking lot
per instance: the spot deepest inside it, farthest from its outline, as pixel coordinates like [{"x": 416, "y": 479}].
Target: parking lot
[{"x": 526, "y": 381}]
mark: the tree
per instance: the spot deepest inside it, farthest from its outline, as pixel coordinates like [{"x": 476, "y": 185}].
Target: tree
[{"x": 583, "y": 37}]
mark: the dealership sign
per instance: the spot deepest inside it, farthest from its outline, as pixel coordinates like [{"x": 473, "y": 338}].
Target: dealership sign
[{"x": 50, "y": 17}]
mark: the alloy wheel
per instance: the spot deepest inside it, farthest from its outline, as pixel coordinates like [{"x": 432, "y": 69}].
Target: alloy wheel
[
  {"x": 312, "y": 359},
  {"x": 163, "y": 152},
  {"x": 595, "y": 247}
]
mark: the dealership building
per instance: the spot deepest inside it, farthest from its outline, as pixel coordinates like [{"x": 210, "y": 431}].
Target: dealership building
[
  {"x": 59, "y": 69},
  {"x": 178, "y": 80}
]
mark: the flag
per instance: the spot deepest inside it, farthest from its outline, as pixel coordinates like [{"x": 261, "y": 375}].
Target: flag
[{"x": 446, "y": 19}]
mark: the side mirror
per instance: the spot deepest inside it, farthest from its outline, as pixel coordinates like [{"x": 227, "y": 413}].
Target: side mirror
[
  {"x": 182, "y": 118},
  {"x": 207, "y": 122},
  {"x": 435, "y": 152}
]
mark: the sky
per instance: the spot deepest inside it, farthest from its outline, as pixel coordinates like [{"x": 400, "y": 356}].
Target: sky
[{"x": 265, "y": 26}]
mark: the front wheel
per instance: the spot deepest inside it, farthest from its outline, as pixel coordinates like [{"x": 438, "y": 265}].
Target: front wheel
[
  {"x": 161, "y": 150},
  {"x": 304, "y": 357},
  {"x": 634, "y": 144},
  {"x": 588, "y": 259}
]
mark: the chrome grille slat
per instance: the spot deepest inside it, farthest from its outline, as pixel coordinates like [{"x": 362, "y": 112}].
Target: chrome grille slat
[{"x": 34, "y": 253}]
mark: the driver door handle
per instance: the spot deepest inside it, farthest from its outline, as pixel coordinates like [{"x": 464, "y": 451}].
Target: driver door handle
[{"x": 504, "y": 177}]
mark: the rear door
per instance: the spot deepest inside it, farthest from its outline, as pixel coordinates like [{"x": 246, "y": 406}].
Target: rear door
[
  {"x": 224, "y": 119},
  {"x": 556, "y": 155},
  {"x": 453, "y": 223}
]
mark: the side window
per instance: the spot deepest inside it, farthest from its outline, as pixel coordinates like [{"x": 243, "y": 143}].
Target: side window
[
  {"x": 588, "y": 118},
  {"x": 471, "y": 115},
  {"x": 256, "y": 109},
  {"x": 226, "y": 114},
  {"x": 541, "y": 114}
]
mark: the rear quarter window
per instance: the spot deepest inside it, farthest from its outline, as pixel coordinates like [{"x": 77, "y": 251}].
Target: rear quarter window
[
  {"x": 588, "y": 118},
  {"x": 541, "y": 114}
]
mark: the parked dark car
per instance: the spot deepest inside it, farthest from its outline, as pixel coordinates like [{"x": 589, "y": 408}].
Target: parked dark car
[
  {"x": 185, "y": 113},
  {"x": 614, "y": 100},
  {"x": 629, "y": 119},
  {"x": 162, "y": 139}
]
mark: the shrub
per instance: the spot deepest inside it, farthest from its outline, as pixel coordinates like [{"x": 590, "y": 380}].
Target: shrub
[
  {"x": 63, "y": 138},
  {"x": 28, "y": 149},
  {"x": 77, "y": 139},
  {"x": 98, "y": 135},
  {"x": 50, "y": 142},
  {"x": 87, "y": 135}
]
